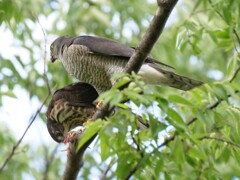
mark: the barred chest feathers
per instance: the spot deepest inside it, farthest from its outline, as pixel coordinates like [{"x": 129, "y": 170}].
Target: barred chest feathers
[
  {"x": 91, "y": 68},
  {"x": 70, "y": 116}
]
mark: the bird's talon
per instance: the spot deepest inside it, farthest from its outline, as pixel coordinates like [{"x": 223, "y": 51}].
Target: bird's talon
[
  {"x": 73, "y": 137},
  {"x": 73, "y": 134},
  {"x": 87, "y": 122},
  {"x": 99, "y": 104}
]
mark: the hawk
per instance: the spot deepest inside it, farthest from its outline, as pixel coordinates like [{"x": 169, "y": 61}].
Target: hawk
[
  {"x": 69, "y": 108},
  {"x": 95, "y": 59}
]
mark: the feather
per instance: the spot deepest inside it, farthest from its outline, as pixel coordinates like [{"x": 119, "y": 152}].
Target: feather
[{"x": 109, "y": 47}]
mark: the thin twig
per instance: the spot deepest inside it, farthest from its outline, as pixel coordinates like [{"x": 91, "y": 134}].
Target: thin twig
[
  {"x": 220, "y": 140},
  {"x": 104, "y": 174},
  {"x": 166, "y": 141},
  {"x": 137, "y": 144},
  {"x": 237, "y": 36},
  {"x": 20, "y": 140},
  {"x": 213, "y": 106},
  {"x": 203, "y": 11},
  {"x": 172, "y": 137},
  {"x": 199, "y": 174},
  {"x": 45, "y": 55},
  {"x": 23, "y": 150},
  {"x": 218, "y": 12},
  {"x": 133, "y": 170},
  {"x": 235, "y": 74},
  {"x": 238, "y": 41}
]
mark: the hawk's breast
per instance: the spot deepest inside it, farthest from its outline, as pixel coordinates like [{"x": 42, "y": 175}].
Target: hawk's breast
[{"x": 92, "y": 68}]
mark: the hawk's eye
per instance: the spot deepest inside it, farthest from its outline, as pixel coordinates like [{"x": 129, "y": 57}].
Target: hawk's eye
[{"x": 58, "y": 134}]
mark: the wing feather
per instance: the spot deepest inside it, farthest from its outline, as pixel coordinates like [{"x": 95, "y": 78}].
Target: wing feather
[
  {"x": 109, "y": 47},
  {"x": 176, "y": 80},
  {"x": 77, "y": 94}
]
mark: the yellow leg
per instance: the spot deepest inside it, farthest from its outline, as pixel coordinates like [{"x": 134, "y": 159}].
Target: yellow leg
[
  {"x": 99, "y": 104},
  {"x": 87, "y": 122}
]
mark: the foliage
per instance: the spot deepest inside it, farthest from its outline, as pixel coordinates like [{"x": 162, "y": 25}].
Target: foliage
[{"x": 200, "y": 127}]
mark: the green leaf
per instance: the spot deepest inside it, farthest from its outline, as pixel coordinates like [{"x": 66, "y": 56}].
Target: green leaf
[
  {"x": 135, "y": 97},
  {"x": 196, "y": 153},
  {"x": 179, "y": 99},
  {"x": 112, "y": 96},
  {"x": 220, "y": 91},
  {"x": 105, "y": 149},
  {"x": 91, "y": 130},
  {"x": 116, "y": 99},
  {"x": 156, "y": 126},
  {"x": 8, "y": 93},
  {"x": 10, "y": 65},
  {"x": 122, "y": 81},
  {"x": 176, "y": 120},
  {"x": 20, "y": 61},
  {"x": 123, "y": 106},
  {"x": 178, "y": 148}
]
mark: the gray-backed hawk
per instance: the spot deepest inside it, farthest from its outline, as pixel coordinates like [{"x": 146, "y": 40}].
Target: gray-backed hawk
[{"x": 95, "y": 59}]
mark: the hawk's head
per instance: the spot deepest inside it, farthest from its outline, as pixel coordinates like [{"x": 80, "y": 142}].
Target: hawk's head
[{"x": 57, "y": 47}]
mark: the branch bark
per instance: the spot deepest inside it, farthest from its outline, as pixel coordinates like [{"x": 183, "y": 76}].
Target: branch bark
[
  {"x": 104, "y": 174},
  {"x": 220, "y": 140},
  {"x": 75, "y": 161},
  {"x": 152, "y": 34}
]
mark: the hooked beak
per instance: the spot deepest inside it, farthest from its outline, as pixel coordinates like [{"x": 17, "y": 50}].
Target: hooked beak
[{"x": 53, "y": 59}]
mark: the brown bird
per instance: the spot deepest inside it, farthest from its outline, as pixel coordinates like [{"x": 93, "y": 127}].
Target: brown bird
[
  {"x": 70, "y": 107},
  {"x": 95, "y": 59}
]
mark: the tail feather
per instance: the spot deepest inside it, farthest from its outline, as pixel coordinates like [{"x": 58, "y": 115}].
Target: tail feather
[{"x": 154, "y": 75}]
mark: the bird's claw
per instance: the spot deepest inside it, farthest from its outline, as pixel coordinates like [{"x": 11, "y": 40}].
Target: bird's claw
[
  {"x": 99, "y": 104},
  {"x": 87, "y": 122},
  {"x": 73, "y": 137}
]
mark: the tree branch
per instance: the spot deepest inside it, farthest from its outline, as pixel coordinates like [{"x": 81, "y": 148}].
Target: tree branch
[
  {"x": 220, "y": 140},
  {"x": 150, "y": 37},
  {"x": 199, "y": 174},
  {"x": 237, "y": 36},
  {"x": 235, "y": 74},
  {"x": 75, "y": 161},
  {"x": 104, "y": 174},
  {"x": 20, "y": 140},
  {"x": 213, "y": 106},
  {"x": 133, "y": 170},
  {"x": 44, "y": 55},
  {"x": 172, "y": 137},
  {"x": 154, "y": 31}
]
